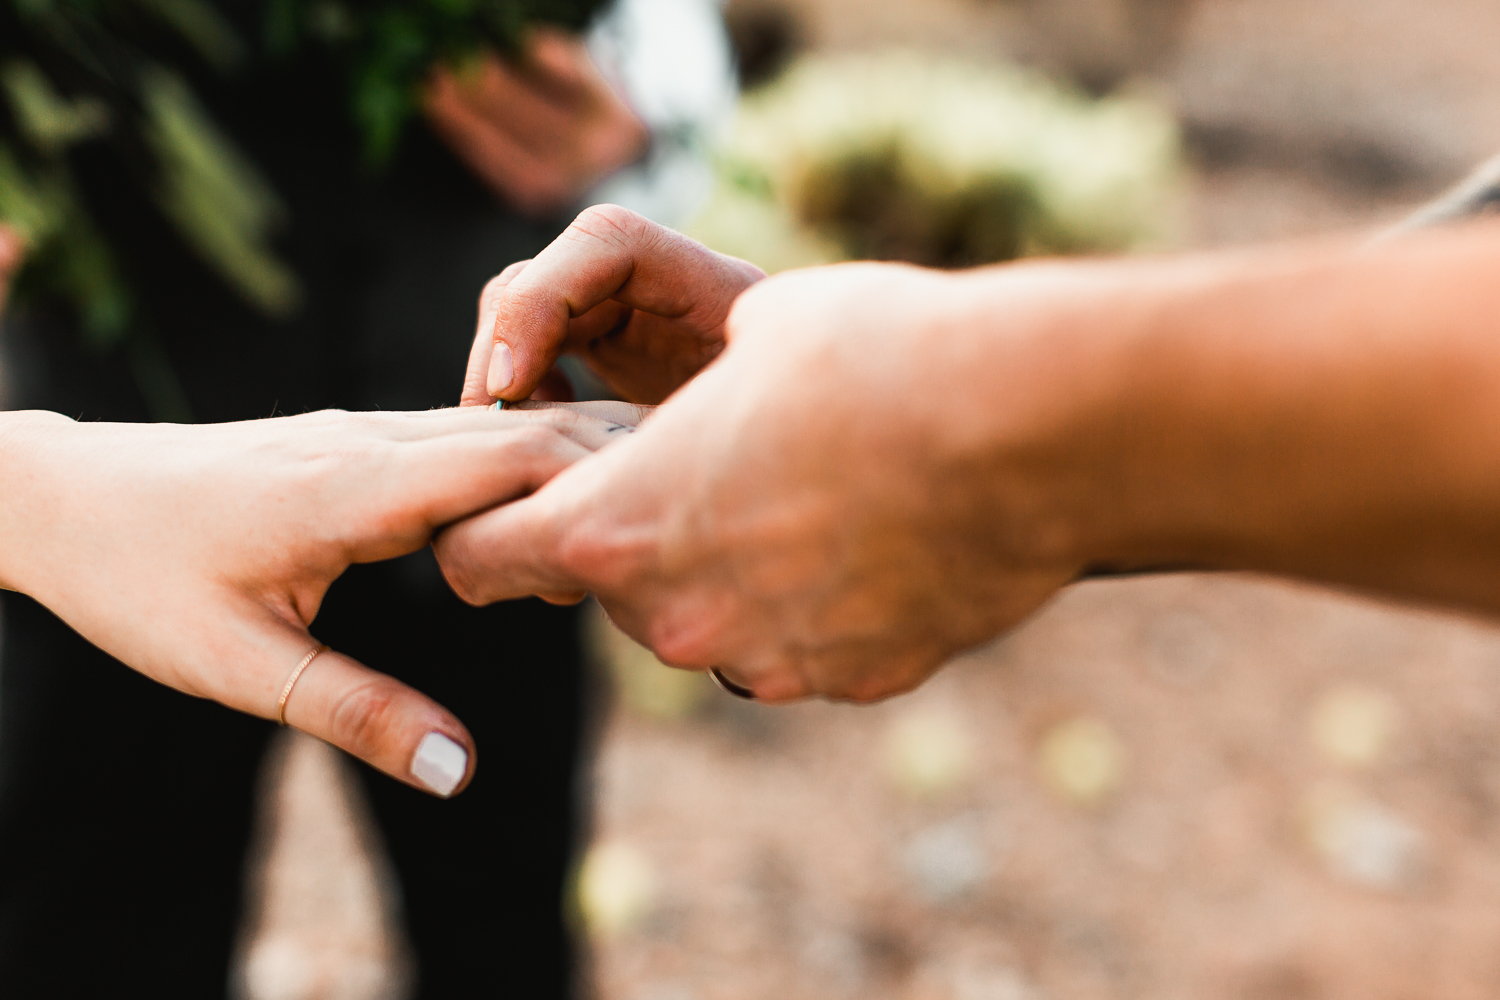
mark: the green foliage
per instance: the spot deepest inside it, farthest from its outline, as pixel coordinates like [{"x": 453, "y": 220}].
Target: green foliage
[
  {"x": 113, "y": 73},
  {"x": 79, "y": 73},
  {"x": 389, "y": 48}
]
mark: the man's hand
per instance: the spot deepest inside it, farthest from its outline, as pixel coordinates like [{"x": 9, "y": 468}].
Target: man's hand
[
  {"x": 888, "y": 465},
  {"x": 807, "y": 514},
  {"x": 644, "y": 306},
  {"x": 199, "y": 555},
  {"x": 540, "y": 130}
]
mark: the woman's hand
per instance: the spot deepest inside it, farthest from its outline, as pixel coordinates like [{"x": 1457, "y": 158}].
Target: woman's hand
[
  {"x": 199, "y": 555},
  {"x": 645, "y": 306},
  {"x": 539, "y": 130}
]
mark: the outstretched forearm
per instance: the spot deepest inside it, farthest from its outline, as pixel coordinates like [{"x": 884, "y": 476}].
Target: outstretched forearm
[
  {"x": 23, "y": 501},
  {"x": 1331, "y": 412}
]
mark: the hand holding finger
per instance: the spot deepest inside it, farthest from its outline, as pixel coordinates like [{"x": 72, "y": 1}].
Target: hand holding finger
[
  {"x": 476, "y": 375},
  {"x": 614, "y": 274}
]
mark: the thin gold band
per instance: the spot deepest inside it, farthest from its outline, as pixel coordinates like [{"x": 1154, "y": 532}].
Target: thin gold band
[{"x": 291, "y": 682}]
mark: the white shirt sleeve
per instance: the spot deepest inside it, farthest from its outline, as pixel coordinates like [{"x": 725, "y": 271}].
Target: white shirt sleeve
[{"x": 672, "y": 62}]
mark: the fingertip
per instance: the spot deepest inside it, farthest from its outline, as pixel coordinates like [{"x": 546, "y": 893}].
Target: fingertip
[
  {"x": 565, "y": 599},
  {"x": 442, "y": 764},
  {"x": 502, "y": 373}
]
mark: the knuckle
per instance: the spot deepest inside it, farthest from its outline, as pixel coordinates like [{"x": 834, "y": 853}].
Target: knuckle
[
  {"x": 330, "y": 417},
  {"x": 495, "y": 288},
  {"x": 597, "y": 554},
  {"x": 489, "y": 298},
  {"x": 456, "y": 561},
  {"x": 678, "y": 650},
  {"x": 685, "y": 640},
  {"x": 609, "y": 222},
  {"x": 559, "y": 419},
  {"x": 535, "y": 443},
  {"x": 365, "y": 718}
]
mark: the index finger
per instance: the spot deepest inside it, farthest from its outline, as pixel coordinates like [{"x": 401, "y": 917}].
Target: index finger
[
  {"x": 608, "y": 253},
  {"x": 475, "y": 393}
]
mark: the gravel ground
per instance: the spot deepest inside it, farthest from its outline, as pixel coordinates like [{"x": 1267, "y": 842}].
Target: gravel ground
[
  {"x": 1181, "y": 787},
  {"x": 1178, "y": 787}
]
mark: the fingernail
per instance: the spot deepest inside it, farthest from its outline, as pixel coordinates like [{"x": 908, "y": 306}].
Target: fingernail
[
  {"x": 440, "y": 763},
  {"x": 502, "y": 370}
]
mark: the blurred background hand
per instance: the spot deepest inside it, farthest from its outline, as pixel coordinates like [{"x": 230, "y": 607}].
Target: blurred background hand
[
  {"x": 11, "y": 252},
  {"x": 539, "y": 130}
]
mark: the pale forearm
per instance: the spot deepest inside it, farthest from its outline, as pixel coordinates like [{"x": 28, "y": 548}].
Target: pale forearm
[{"x": 23, "y": 439}]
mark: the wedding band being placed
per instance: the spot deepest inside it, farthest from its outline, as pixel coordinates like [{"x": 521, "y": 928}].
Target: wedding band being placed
[
  {"x": 291, "y": 682},
  {"x": 499, "y": 405},
  {"x": 730, "y": 687}
]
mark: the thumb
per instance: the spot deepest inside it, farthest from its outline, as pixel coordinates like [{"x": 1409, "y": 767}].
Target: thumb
[
  {"x": 385, "y": 723},
  {"x": 475, "y": 392},
  {"x": 608, "y": 254}
]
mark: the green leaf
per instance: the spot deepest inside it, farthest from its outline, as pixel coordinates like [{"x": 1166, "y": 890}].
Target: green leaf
[
  {"x": 204, "y": 28},
  {"x": 217, "y": 199},
  {"x": 50, "y": 121}
]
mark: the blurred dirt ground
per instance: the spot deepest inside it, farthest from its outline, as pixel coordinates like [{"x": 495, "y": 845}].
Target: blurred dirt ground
[
  {"x": 1174, "y": 788},
  {"x": 1177, "y": 787}
]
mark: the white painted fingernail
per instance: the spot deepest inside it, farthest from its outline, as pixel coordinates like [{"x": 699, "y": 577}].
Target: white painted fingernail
[
  {"x": 440, "y": 763},
  {"x": 502, "y": 370}
]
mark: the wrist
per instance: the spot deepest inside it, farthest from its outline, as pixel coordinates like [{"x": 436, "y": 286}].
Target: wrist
[
  {"x": 1044, "y": 367},
  {"x": 1311, "y": 411},
  {"x": 24, "y": 520}
]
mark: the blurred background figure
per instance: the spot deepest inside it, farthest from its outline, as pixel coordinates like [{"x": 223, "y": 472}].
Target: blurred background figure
[{"x": 228, "y": 210}]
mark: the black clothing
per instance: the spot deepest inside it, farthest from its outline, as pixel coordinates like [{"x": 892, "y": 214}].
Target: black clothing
[{"x": 125, "y": 807}]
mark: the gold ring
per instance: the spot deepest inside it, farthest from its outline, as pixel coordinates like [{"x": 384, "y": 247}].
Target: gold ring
[
  {"x": 291, "y": 682},
  {"x": 730, "y": 687}
]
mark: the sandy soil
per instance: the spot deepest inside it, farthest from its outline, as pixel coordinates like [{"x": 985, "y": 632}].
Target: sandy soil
[{"x": 1181, "y": 787}]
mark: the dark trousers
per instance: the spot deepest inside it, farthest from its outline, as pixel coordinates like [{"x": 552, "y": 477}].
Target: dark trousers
[{"x": 125, "y": 807}]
